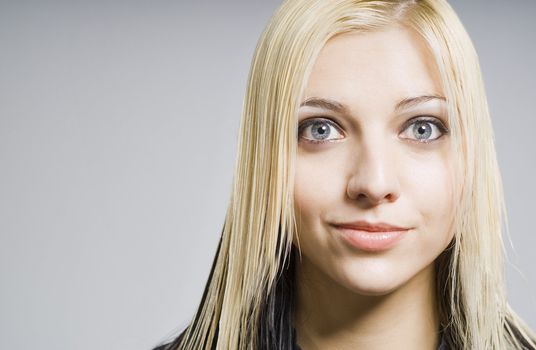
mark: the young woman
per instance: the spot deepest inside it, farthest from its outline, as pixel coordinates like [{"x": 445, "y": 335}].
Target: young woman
[{"x": 367, "y": 203}]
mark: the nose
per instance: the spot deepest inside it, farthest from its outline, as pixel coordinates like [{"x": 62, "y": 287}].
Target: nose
[{"x": 374, "y": 178}]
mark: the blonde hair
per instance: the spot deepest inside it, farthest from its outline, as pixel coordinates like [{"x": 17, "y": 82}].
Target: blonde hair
[{"x": 259, "y": 225}]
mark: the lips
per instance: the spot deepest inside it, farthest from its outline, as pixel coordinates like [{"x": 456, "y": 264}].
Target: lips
[
  {"x": 372, "y": 237},
  {"x": 371, "y": 227}
]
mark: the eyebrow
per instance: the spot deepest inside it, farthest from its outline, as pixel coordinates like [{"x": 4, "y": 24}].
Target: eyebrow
[
  {"x": 413, "y": 101},
  {"x": 340, "y": 108},
  {"x": 324, "y": 104}
]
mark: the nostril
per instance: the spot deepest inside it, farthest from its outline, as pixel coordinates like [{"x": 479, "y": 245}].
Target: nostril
[
  {"x": 391, "y": 197},
  {"x": 375, "y": 199},
  {"x": 373, "y": 188}
]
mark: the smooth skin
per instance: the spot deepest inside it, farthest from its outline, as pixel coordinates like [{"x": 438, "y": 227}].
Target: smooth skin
[{"x": 372, "y": 161}]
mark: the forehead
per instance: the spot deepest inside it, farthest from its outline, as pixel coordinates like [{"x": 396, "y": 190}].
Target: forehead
[{"x": 379, "y": 66}]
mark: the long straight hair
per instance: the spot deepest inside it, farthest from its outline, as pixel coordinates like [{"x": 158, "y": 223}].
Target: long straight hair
[{"x": 248, "y": 299}]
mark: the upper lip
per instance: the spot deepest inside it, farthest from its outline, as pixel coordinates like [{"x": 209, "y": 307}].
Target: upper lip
[{"x": 370, "y": 226}]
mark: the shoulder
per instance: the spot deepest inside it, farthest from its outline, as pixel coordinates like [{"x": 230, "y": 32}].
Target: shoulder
[
  {"x": 518, "y": 335},
  {"x": 172, "y": 345},
  {"x": 162, "y": 347}
]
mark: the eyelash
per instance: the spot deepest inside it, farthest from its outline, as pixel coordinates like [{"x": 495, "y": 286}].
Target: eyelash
[{"x": 432, "y": 120}]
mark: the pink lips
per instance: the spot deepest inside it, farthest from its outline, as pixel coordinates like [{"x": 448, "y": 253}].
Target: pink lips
[{"x": 371, "y": 237}]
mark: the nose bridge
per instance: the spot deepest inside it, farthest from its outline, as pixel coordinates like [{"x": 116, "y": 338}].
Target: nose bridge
[{"x": 374, "y": 175}]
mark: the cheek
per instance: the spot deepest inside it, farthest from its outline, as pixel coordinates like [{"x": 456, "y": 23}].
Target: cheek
[
  {"x": 318, "y": 189},
  {"x": 429, "y": 187},
  {"x": 318, "y": 179}
]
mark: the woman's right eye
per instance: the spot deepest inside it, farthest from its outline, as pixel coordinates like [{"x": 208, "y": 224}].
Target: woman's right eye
[{"x": 319, "y": 130}]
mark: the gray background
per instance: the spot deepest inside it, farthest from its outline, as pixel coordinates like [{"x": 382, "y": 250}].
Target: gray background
[{"x": 118, "y": 128}]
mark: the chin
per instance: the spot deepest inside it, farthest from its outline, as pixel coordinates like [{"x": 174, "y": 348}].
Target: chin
[
  {"x": 379, "y": 279},
  {"x": 374, "y": 278},
  {"x": 373, "y": 287}
]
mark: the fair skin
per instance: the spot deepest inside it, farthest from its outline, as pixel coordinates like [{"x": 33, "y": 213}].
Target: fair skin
[{"x": 374, "y": 164}]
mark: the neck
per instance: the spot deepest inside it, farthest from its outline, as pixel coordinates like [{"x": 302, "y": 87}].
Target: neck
[{"x": 330, "y": 316}]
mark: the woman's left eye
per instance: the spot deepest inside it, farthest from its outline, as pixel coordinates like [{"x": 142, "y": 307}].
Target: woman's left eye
[{"x": 425, "y": 129}]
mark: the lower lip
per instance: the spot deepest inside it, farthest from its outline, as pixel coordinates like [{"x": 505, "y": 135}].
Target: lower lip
[{"x": 370, "y": 241}]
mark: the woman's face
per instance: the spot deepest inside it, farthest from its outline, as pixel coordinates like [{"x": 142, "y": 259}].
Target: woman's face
[{"x": 373, "y": 148}]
